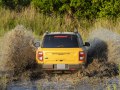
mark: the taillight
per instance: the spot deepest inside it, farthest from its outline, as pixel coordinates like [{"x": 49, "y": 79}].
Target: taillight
[
  {"x": 40, "y": 56},
  {"x": 81, "y": 55}
]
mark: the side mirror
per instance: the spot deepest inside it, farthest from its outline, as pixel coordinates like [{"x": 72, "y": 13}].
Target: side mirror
[
  {"x": 87, "y": 44},
  {"x": 37, "y": 44}
]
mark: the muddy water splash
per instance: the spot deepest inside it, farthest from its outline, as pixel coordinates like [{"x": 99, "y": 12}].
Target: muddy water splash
[
  {"x": 18, "y": 55},
  {"x": 104, "y": 53}
]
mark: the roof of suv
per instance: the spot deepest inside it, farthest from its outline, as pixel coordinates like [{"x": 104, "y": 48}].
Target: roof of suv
[{"x": 53, "y": 33}]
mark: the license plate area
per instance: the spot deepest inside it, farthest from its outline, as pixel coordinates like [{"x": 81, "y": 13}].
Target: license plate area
[{"x": 61, "y": 66}]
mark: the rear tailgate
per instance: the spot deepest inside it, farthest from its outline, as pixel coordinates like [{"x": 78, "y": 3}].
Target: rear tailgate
[{"x": 60, "y": 55}]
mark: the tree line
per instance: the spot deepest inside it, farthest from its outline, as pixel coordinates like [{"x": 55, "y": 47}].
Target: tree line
[{"x": 88, "y": 9}]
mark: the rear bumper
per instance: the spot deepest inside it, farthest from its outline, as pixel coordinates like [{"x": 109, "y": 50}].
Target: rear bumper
[{"x": 66, "y": 67}]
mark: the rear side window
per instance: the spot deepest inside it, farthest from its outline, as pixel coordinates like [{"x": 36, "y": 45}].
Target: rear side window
[{"x": 60, "y": 41}]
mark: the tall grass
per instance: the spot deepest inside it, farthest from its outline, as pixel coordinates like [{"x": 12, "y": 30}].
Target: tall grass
[
  {"x": 34, "y": 20},
  {"x": 39, "y": 22}
]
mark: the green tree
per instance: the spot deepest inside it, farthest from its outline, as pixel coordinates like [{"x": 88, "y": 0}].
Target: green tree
[
  {"x": 89, "y": 9},
  {"x": 15, "y": 4}
]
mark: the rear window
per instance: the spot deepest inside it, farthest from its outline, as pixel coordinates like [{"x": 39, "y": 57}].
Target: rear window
[{"x": 60, "y": 41}]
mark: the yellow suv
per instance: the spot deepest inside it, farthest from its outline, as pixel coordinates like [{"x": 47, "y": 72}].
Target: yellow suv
[{"x": 62, "y": 51}]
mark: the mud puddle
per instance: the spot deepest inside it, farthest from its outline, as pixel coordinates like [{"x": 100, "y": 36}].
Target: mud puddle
[{"x": 109, "y": 84}]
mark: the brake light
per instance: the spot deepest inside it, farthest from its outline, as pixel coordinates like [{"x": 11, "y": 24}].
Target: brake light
[
  {"x": 60, "y": 36},
  {"x": 81, "y": 55},
  {"x": 40, "y": 56}
]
